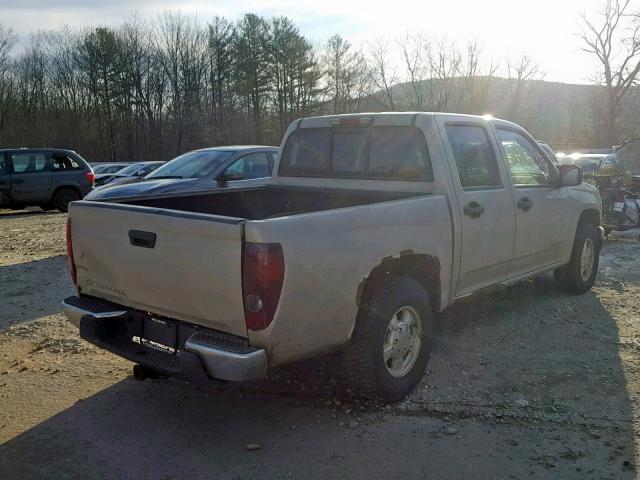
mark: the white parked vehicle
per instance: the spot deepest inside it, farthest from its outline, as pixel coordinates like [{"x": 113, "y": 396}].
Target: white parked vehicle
[{"x": 371, "y": 225}]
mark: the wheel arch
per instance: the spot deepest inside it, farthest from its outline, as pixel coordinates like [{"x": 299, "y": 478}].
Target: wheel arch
[
  {"x": 423, "y": 268},
  {"x": 591, "y": 216},
  {"x": 75, "y": 188}
]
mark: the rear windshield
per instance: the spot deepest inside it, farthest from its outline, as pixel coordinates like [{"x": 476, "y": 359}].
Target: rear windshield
[{"x": 386, "y": 153}]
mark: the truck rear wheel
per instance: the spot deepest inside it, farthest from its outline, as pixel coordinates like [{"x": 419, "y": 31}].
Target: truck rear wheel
[
  {"x": 63, "y": 198},
  {"x": 392, "y": 339},
  {"x": 579, "y": 274}
]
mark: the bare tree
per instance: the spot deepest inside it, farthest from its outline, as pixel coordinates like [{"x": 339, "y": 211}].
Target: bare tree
[
  {"x": 221, "y": 36},
  {"x": 415, "y": 50},
  {"x": 31, "y": 92},
  {"x": 252, "y": 69},
  {"x": 7, "y": 42},
  {"x": 346, "y": 75},
  {"x": 519, "y": 71},
  {"x": 444, "y": 62},
  {"x": 144, "y": 81},
  {"x": 182, "y": 46},
  {"x": 617, "y": 48},
  {"x": 475, "y": 78},
  {"x": 382, "y": 74},
  {"x": 294, "y": 72}
]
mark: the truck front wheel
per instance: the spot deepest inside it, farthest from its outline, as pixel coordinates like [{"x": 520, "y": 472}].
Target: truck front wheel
[
  {"x": 579, "y": 274},
  {"x": 391, "y": 342}
]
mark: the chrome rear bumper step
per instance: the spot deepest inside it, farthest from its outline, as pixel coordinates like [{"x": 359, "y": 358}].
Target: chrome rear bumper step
[{"x": 197, "y": 353}]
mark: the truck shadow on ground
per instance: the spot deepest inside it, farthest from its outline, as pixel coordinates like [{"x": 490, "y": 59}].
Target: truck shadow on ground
[
  {"x": 526, "y": 365},
  {"x": 33, "y": 289}
]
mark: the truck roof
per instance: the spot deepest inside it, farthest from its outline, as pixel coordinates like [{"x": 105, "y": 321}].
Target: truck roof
[
  {"x": 235, "y": 148},
  {"x": 390, "y": 118},
  {"x": 39, "y": 149}
]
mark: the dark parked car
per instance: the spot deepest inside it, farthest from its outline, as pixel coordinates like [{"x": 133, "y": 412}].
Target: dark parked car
[
  {"x": 44, "y": 177},
  {"x": 130, "y": 174},
  {"x": 590, "y": 162},
  {"x": 105, "y": 171},
  {"x": 200, "y": 171},
  {"x": 104, "y": 168}
]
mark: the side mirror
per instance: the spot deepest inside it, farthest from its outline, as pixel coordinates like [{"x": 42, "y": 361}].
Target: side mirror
[
  {"x": 570, "y": 175},
  {"x": 225, "y": 177}
]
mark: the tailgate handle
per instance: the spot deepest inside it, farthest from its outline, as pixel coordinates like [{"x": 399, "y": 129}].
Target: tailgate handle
[{"x": 138, "y": 238}]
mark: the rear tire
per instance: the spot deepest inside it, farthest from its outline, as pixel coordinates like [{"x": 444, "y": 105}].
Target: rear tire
[
  {"x": 392, "y": 339},
  {"x": 579, "y": 274},
  {"x": 63, "y": 198}
]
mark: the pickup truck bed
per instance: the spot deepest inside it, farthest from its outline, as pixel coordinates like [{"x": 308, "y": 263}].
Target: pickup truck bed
[
  {"x": 259, "y": 203},
  {"x": 187, "y": 265}
]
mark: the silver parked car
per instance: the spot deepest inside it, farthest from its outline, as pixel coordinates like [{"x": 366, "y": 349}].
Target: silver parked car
[{"x": 200, "y": 171}]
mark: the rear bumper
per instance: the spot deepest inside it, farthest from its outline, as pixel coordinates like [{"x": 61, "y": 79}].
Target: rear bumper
[{"x": 170, "y": 347}]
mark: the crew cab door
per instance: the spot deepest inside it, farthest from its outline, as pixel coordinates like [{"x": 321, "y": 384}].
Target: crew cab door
[
  {"x": 544, "y": 223},
  {"x": 484, "y": 203},
  {"x": 31, "y": 177},
  {"x": 5, "y": 181}
]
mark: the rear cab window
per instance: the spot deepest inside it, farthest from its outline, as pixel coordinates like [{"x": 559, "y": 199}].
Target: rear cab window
[{"x": 379, "y": 153}]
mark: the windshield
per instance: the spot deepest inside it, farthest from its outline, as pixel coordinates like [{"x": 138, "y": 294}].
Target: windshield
[
  {"x": 138, "y": 169},
  {"x": 192, "y": 165},
  {"x": 130, "y": 170},
  {"x": 108, "y": 168}
]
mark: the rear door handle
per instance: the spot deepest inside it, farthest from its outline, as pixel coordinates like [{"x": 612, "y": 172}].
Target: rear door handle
[
  {"x": 473, "y": 209},
  {"x": 525, "y": 204},
  {"x": 139, "y": 238}
]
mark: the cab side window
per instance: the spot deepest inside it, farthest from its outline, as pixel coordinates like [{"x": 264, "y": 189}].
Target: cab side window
[
  {"x": 252, "y": 165},
  {"x": 475, "y": 158},
  {"x": 527, "y": 164},
  {"x": 29, "y": 162},
  {"x": 4, "y": 166}
]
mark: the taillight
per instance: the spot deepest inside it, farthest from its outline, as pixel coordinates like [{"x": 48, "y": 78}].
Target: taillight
[
  {"x": 262, "y": 277},
  {"x": 90, "y": 176},
  {"x": 72, "y": 264}
]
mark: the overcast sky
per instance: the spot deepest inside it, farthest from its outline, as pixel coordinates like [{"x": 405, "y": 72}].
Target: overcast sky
[{"x": 545, "y": 29}]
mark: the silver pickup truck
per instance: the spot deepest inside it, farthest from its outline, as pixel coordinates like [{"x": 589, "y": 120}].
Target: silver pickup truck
[{"x": 372, "y": 224}]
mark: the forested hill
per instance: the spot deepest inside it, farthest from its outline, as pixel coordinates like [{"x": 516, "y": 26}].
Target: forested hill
[
  {"x": 142, "y": 91},
  {"x": 567, "y": 116}
]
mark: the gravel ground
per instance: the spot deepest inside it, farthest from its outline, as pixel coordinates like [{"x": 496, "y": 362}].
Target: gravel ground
[{"x": 523, "y": 383}]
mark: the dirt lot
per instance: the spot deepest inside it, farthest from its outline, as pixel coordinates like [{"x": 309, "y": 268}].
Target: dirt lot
[{"x": 523, "y": 383}]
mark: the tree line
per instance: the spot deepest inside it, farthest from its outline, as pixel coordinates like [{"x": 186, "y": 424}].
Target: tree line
[{"x": 149, "y": 91}]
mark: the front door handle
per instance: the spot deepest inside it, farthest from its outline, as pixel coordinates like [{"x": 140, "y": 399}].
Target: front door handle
[
  {"x": 16, "y": 182},
  {"x": 525, "y": 204},
  {"x": 473, "y": 209}
]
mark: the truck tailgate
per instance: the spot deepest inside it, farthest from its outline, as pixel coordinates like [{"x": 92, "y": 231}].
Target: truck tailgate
[{"x": 180, "y": 265}]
